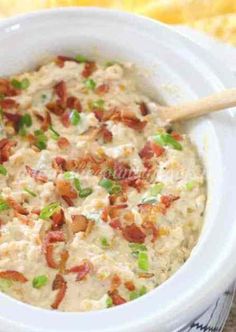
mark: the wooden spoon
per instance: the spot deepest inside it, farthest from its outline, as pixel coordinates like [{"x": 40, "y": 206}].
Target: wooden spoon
[{"x": 193, "y": 109}]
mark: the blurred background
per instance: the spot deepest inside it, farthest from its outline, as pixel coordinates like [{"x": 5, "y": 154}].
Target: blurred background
[{"x": 215, "y": 17}]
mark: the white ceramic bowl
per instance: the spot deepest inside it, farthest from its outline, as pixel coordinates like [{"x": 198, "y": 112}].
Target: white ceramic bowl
[{"x": 177, "y": 69}]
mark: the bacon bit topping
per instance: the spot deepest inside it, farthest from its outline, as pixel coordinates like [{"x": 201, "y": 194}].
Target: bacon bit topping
[
  {"x": 115, "y": 224},
  {"x": 116, "y": 298},
  {"x": 81, "y": 270},
  {"x": 167, "y": 200},
  {"x": 6, "y": 89},
  {"x": 63, "y": 143},
  {"x": 5, "y": 149},
  {"x": 146, "y": 152},
  {"x": 68, "y": 201},
  {"x": 49, "y": 257},
  {"x": 63, "y": 261},
  {"x": 58, "y": 219},
  {"x": 59, "y": 164},
  {"x": 130, "y": 120},
  {"x": 118, "y": 199},
  {"x": 157, "y": 149},
  {"x": 74, "y": 103},
  {"x": 59, "y": 284},
  {"x": 36, "y": 174},
  {"x": 79, "y": 223},
  {"x": 13, "y": 275},
  {"x": 89, "y": 68},
  {"x": 65, "y": 119},
  {"x": 61, "y": 92},
  {"x": 14, "y": 119},
  {"x": 133, "y": 233},
  {"x": 52, "y": 237},
  {"x": 106, "y": 134},
  {"x": 56, "y": 108},
  {"x": 102, "y": 89},
  {"x": 176, "y": 136},
  {"x": 65, "y": 189},
  {"x": 144, "y": 109},
  {"x": 129, "y": 285},
  {"x": 47, "y": 121},
  {"x": 148, "y": 225},
  {"x": 8, "y": 103},
  {"x": 98, "y": 112},
  {"x": 16, "y": 206},
  {"x": 61, "y": 59},
  {"x": 115, "y": 282}
]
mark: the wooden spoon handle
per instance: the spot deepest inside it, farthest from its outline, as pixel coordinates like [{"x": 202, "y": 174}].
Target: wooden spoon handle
[{"x": 215, "y": 102}]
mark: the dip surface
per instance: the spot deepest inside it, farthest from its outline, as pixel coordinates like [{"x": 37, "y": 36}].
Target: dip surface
[{"x": 100, "y": 203}]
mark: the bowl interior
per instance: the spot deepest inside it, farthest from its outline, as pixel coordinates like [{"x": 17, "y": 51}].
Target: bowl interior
[{"x": 170, "y": 68}]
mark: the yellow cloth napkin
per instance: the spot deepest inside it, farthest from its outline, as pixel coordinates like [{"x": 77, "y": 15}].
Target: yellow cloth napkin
[{"x": 216, "y": 17}]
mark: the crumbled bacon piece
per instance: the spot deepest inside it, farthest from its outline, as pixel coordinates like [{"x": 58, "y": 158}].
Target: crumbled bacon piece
[
  {"x": 36, "y": 174},
  {"x": 118, "y": 199},
  {"x": 59, "y": 164},
  {"x": 79, "y": 223},
  {"x": 59, "y": 284},
  {"x": 144, "y": 109},
  {"x": 58, "y": 219},
  {"x": 129, "y": 285},
  {"x": 176, "y": 136},
  {"x": 116, "y": 298},
  {"x": 157, "y": 149},
  {"x": 130, "y": 120},
  {"x": 68, "y": 201},
  {"x": 148, "y": 225},
  {"x": 146, "y": 152},
  {"x": 5, "y": 149},
  {"x": 8, "y": 103},
  {"x": 13, "y": 275},
  {"x": 133, "y": 233},
  {"x": 98, "y": 112},
  {"x": 167, "y": 200},
  {"x": 61, "y": 92},
  {"x": 115, "y": 282},
  {"x": 89, "y": 68},
  {"x": 61, "y": 59},
  {"x": 65, "y": 119},
  {"x": 6, "y": 89},
  {"x": 102, "y": 89},
  {"x": 106, "y": 134},
  {"x": 115, "y": 224},
  {"x": 81, "y": 270},
  {"x": 74, "y": 103},
  {"x": 49, "y": 257},
  {"x": 13, "y": 118},
  {"x": 56, "y": 108},
  {"x": 64, "y": 258},
  {"x": 65, "y": 189},
  {"x": 47, "y": 121},
  {"x": 16, "y": 206},
  {"x": 63, "y": 143},
  {"x": 52, "y": 237}
]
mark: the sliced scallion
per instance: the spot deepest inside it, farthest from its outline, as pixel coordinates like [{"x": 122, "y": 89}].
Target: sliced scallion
[
  {"x": 164, "y": 139},
  {"x": 3, "y": 170},
  {"x": 49, "y": 210}
]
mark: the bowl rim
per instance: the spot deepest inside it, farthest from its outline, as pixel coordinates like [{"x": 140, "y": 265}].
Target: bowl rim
[{"x": 202, "y": 299}]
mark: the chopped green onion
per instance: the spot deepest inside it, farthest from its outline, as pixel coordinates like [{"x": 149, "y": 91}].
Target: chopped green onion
[
  {"x": 21, "y": 85},
  {"x": 43, "y": 97},
  {"x": 143, "y": 261},
  {"x": 3, "y": 205},
  {"x": 5, "y": 284},
  {"x": 75, "y": 118},
  {"x": 3, "y": 170},
  {"x": 109, "y": 302},
  {"x": 25, "y": 121},
  {"x": 90, "y": 84},
  {"x": 111, "y": 186},
  {"x": 40, "y": 281},
  {"x": 156, "y": 189},
  {"x": 190, "y": 185},
  {"x": 111, "y": 63},
  {"x": 105, "y": 244},
  {"x": 149, "y": 200},
  {"x": 85, "y": 192},
  {"x": 41, "y": 142},
  {"x": 81, "y": 58},
  {"x": 54, "y": 133},
  {"x": 135, "y": 294},
  {"x": 166, "y": 139},
  {"x": 77, "y": 184},
  {"x": 69, "y": 175},
  {"x": 30, "y": 192},
  {"x": 2, "y": 96},
  {"x": 98, "y": 103},
  {"x": 49, "y": 210}
]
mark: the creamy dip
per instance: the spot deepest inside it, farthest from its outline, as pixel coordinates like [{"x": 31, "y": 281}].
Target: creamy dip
[{"x": 100, "y": 202}]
